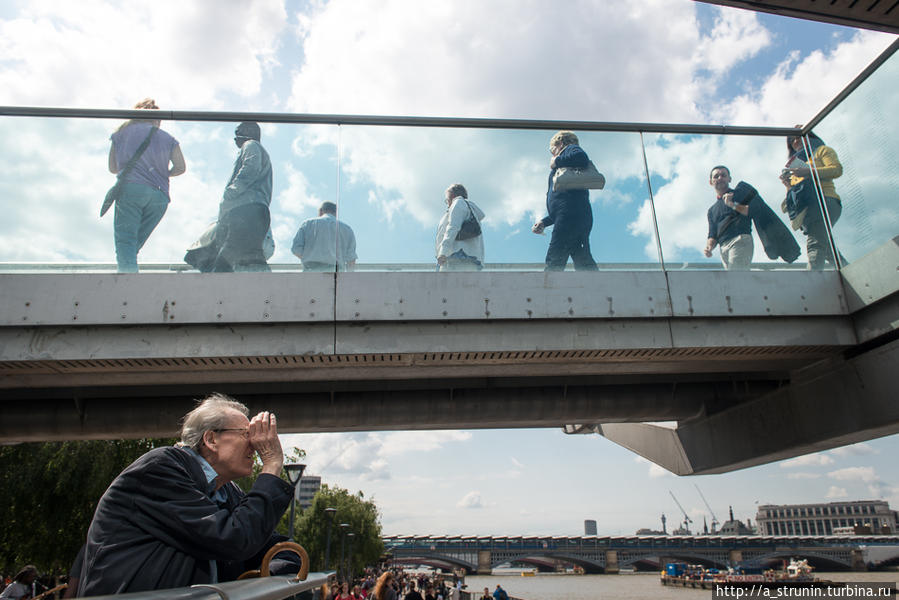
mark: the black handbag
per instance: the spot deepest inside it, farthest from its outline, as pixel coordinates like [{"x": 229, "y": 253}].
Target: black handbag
[
  {"x": 115, "y": 191},
  {"x": 470, "y": 226}
]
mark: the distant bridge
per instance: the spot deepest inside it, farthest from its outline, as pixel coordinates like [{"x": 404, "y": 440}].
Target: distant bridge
[{"x": 609, "y": 554}]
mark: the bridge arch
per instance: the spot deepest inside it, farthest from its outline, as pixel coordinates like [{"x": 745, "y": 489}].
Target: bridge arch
[
  {"x": 446, "y": 562},
  {"x": 592, "y": 565},
  {"x": 821, "y": 561}
]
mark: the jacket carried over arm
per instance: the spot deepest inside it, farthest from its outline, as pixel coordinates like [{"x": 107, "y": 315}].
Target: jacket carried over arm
[{"x": 156, "y": 527}]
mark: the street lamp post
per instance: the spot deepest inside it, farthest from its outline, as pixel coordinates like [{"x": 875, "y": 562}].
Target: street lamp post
[
  {"x": 329, "y": 515},
  {"x": 343, "y": 528},
  {"x": 294, "y": 474},
  {"x": 348, "y": 568}
]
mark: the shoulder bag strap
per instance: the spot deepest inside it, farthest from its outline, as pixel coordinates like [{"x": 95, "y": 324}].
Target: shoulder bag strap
[
  {"x": 470, "y": 211},
  {"x": 140, "y": 150}
]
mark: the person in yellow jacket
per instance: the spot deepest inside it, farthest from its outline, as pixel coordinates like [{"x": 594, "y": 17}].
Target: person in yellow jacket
[{"x": 801, "y": 203}]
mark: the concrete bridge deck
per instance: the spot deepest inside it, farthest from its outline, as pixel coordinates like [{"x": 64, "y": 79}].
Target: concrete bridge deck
[{"x": 753, "y": 366}]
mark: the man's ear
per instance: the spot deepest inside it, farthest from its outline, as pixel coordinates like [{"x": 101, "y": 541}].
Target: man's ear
[{"x": 209, "y": 439}]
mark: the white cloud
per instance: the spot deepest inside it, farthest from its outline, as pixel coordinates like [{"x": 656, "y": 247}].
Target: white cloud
[
  {"x": 863, "y": 474},
  {"x": 654, "y": 471},
  {"x": 471, "y": 500},
  {"x": 808, "y": 460},
  {"x": 860, "y": 449},
  {"x": 803, "y": 476},
  {"x": 367, "y": 455},
  {"x": 464, "y": 59},
  {"x": 97, "y": 53},
  {"x": 835, "y": 492},
  {"x": 736, "y": 36}
]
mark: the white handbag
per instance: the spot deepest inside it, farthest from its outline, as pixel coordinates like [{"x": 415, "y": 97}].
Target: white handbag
[{"x": 567, "y": 178}]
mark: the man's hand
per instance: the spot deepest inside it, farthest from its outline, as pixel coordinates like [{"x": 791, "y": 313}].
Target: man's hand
[
  {"x": 538, "y": 227},
  {"x": 264, "y": 440},
  {"x": 441, "y": 260}
]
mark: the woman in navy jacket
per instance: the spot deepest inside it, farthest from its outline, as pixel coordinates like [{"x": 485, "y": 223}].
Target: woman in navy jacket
[{"x": 567, "y": 211}]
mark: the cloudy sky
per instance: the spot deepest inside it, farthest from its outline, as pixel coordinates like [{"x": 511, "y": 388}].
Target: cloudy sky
[{"x": 603, "y": 60}]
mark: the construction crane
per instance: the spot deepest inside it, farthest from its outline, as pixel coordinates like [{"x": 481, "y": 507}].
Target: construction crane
[
  {"x": 687, "y": 520},
  {"x": 714, "y": 518}
]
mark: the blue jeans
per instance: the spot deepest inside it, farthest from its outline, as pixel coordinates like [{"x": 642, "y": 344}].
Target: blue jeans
[{"x": 137, "y": 212}]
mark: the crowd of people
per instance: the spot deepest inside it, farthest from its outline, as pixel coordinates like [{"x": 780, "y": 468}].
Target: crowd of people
[
  {"x": 397, "y": 584},
  {"x": 145, "y": 157}
]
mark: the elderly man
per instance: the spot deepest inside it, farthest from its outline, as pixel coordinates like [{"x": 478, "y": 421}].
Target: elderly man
[
  {"x": 324, "y": 243},
  {"x": 175, "y": 518}
]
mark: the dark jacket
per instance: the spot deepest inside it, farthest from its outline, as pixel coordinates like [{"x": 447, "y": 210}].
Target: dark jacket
[
  {"x": 774, "y": 235},
  {"x": 156, "y": 527},
  {"x": 568, "y": 204}
]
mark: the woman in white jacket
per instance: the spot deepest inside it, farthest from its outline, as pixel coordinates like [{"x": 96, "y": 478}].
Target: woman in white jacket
[{"x": 452, "y": 253}]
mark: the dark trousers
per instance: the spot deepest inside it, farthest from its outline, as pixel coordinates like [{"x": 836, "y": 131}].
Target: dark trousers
[
  {"x": 817, "y": 245},
  {"x": 239, "y": 237},
  {"x": 570, "y": 238}
]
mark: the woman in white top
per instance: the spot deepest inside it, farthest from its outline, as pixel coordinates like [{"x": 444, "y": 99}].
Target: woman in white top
[{"x": 452, "y": 253}]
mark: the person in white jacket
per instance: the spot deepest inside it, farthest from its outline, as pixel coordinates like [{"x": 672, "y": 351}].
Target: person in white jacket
[{"x": 452, "y": 253}]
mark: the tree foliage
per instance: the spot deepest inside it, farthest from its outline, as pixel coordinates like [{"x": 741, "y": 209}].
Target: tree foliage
[
  {"x": 360, "y": 514},
  {"x": 48, "y": 493}
]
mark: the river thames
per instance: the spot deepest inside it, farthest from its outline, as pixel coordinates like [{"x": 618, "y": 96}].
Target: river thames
[{"x": 636, "y": 586}]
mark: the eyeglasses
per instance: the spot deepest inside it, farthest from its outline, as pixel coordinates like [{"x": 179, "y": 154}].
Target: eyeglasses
[{"x": 245, "y": 433}]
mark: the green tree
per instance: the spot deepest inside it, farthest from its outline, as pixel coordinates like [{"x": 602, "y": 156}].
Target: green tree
[
  {"x": 48, "y": 493},
  {"x": 363, "y": 519}
]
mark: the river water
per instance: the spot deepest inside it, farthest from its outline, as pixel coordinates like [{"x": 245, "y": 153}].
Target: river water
[{"x": 636, "y": 586}]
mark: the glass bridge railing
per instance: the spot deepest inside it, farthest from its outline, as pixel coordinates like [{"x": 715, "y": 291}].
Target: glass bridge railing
[{"x": 388, "y": 177}]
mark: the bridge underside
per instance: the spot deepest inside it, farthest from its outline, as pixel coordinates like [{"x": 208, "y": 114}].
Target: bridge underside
[{"x": 753, "y": 367}]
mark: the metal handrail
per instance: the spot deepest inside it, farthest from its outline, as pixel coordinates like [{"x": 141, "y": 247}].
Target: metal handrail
[
  {"x": 110, "y": 268},
  {"x": 392, "y": 121},
  {"x": 853, "y": 85},
  {"x": 263, "y": 588}
]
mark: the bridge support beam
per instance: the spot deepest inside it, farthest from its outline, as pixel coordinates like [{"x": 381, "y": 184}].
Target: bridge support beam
[
  {"x": 858, "y": 560},
  {"x": 839, "y": 402},
  {"x": 611, "y": 562},
  {"x": 484, "y": 557}
]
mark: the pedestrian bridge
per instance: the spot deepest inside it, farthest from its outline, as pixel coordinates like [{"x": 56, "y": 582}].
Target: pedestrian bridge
[
  {"x": 609, "y": 554},
  {"x": 697, "y": 369}
]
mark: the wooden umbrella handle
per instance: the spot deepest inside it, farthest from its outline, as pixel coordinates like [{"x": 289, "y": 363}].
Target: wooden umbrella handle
[{"x": 281, "y": 547}]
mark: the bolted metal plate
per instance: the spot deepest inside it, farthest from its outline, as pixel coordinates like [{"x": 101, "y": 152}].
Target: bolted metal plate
[
  {"x": 171, "y": 298},
  {"x": 756, "y": 293},
  {"x": 488, "y": 295}
]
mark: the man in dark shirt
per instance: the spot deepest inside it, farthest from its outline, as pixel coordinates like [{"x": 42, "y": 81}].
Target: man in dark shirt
[
  {"x": 730, "y": 227},
  {"x": 174, "y": 518},
  {"x": 412, "y": 594}
]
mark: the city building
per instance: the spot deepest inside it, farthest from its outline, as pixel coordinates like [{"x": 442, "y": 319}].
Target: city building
[
  {"x": 589, "y": 527},
  {"x": 309, "y": 485},
  {"x": 833, "y": 518}
]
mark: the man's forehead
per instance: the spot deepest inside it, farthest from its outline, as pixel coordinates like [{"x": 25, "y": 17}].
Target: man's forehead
[{"x": 237, "y": 419}]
